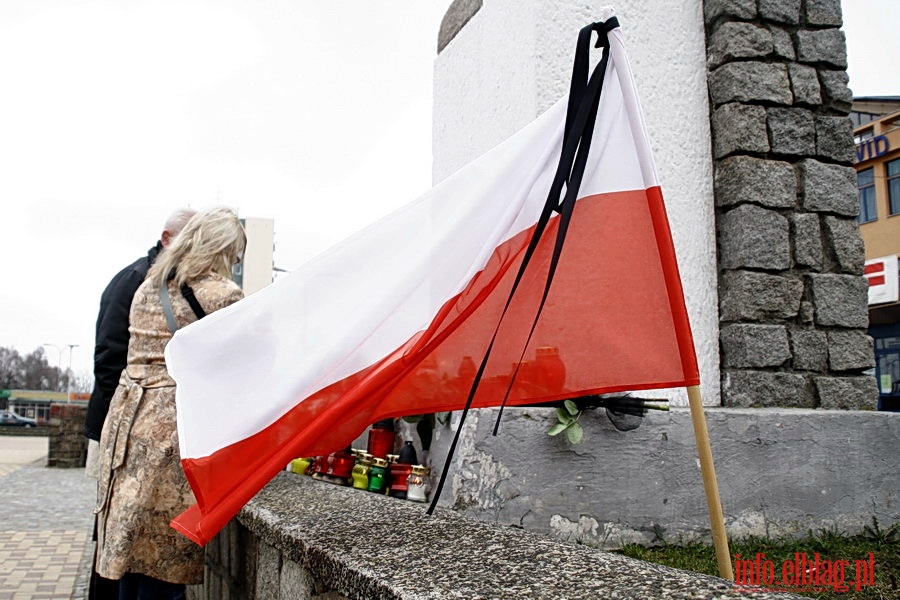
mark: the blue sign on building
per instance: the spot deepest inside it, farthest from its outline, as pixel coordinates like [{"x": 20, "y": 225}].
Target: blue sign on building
[{"x": 872, "y": 148}]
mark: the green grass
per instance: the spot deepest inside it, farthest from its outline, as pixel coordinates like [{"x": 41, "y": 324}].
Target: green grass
[{"x": 831, "y": 545}]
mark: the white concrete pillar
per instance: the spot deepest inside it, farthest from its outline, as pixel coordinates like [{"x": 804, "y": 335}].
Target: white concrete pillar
[{"x": 512, "y": 61}]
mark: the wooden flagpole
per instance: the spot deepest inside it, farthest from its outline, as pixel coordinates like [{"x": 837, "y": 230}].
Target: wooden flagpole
[{"x": 710, "y": 484}]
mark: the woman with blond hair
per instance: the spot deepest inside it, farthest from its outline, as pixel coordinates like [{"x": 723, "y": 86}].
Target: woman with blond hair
[{"x": 142, "y": 485}]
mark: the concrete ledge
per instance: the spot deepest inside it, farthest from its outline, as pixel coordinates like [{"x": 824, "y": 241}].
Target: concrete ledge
[{"x": 302, "y": 538}]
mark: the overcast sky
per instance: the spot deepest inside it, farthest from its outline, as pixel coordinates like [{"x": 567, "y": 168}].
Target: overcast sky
[{"x": 314, "y": 114}]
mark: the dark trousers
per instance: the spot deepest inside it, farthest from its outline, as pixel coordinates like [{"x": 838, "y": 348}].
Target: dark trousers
[
  {"x": 134, "y": 586},
  {"x": 101, "y": 588}
]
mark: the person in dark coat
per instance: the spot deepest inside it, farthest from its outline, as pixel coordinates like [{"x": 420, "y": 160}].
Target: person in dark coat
[{"x": 110, "y": 352}]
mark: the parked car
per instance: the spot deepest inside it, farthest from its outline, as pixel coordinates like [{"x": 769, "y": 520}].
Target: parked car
[{"x": 7, "y": 417}]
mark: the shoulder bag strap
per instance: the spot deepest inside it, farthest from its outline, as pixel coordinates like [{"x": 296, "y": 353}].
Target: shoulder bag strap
[
  {"x": 166, "y": 302},
  {"x": 167, "y": 308}
]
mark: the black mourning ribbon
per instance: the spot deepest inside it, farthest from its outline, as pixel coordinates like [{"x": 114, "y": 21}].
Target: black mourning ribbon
[{"x": 581, "y": 115}]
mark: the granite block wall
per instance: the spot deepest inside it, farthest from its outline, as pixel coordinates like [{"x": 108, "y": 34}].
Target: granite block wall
[
  {"x": 792, "y": 299},
  {"x": 67, "y": 444}
]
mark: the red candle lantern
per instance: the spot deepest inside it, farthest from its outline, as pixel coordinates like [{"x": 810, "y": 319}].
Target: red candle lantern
[
  {"x": 381, "y": 438},
  {"x": 399, "y": 474}
]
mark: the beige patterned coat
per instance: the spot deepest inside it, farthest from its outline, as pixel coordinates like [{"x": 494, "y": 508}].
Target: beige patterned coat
[{"x": 142, "y": 485}]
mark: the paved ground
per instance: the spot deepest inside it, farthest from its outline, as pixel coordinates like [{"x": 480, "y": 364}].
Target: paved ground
[{"x": 45, "y": 524}]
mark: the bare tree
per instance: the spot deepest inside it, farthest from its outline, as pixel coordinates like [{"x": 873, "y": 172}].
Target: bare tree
[
  {"x": 82, "y": 382},
  {"x": 31, "y": 372},
  {"x": 12, "y": 371}
]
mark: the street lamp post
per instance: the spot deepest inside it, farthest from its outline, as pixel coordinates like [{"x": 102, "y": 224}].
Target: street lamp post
[
  {"x": 69, "y": 373},
  {"x": 58, "y": 359},
  {"x": 59, "y": 350}
]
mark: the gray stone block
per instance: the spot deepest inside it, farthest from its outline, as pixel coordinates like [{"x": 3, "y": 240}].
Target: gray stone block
[
  {"x": 809, "y": 349},
  {"x": 739, "y": 128},
  {"x": 805, "y": 84},
  {"x": 747, "y": 345},
  {"x": 232, "y": 544},
  {"x": 740, "y": 9},
  {"x": 750, "y": 81},
  {"x": 456, "y": 17},
  {"x": 223, "y": 549},
  {"x": 754, "y": 237},
  {"x": 846, "y": 244},
  {"x": 733, "y": 40},
  {"x": 244, "y": 566},
  {"x": 296, "y": 583},
  {"x": 828, "y": 188},
  {"x": 807, "y": 314},
  {"x": 834, "y": 139},
  {"x": 268, "y": 571},
  {"x": 824, "y": 12},
  {"x": 850, "y": 351},
  {"x": 792, "y": 131},
  {"x": 742, "y": 179},
  {"x": 765, "y": 388},
  {"x": 214, "y": 548},
  {"x": 822, "y": 46},
  {"x": 806, "y": 235},
  {"x": 847, "y": 393},
  {"x": 752, "y": 296},
  {"x": 841, "y": 300},
  {"x": 782, "y": 43},
  {"x": 835, "y": 89},
  {"x": 215, "y": 588},
  {"x": 780, "y": 11}
]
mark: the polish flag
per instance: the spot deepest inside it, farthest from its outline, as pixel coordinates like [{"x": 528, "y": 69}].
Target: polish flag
[{"x": 394, "y": 320}]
